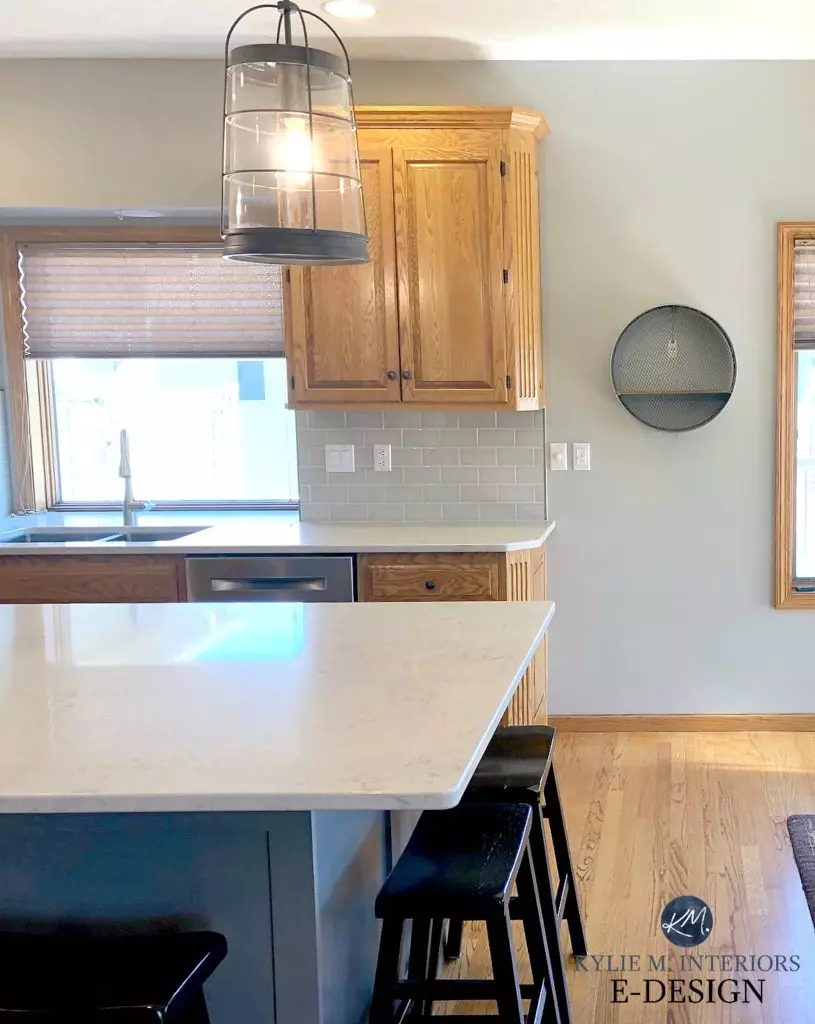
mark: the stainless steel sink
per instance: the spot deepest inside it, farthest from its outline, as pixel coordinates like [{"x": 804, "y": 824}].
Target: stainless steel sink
[
  {"x": 146, "y": 534},
  {"x": 100, "y": 534},
  {"x": 59, "y": 535}
]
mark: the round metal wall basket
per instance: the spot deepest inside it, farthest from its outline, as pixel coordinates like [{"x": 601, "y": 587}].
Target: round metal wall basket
[{"x": 673, "y": 368}]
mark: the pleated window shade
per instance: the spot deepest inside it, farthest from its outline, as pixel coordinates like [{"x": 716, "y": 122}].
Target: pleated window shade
[
  {"x": 804, "y": 293},
  {"x": 113, "y": 301}
]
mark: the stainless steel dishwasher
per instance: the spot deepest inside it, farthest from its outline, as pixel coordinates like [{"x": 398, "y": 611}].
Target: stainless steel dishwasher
[{"x": 270, "y": 578}]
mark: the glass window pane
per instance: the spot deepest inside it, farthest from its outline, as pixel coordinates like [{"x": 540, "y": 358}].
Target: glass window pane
[
  {"x": 200, "y": 429},
  {"x": 805, "y": 466}
]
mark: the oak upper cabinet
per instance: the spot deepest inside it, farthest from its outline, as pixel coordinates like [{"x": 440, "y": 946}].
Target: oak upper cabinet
[
  {"x": 342, "y": 340},
  {"x": 451, "y": 307},
  {"x": 447, "y": 313}
]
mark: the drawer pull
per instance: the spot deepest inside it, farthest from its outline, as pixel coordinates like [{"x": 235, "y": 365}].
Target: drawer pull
[{"x": 430, "y": 584}]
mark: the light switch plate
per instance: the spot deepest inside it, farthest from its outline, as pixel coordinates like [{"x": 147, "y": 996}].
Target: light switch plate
[
  {"x": 558, "y": 455},
  {"x": 581, "y": 455},
  {"x": 339, "y": 458}
]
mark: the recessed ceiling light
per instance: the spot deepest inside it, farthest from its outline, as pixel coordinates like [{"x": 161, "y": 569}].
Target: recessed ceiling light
[{"x": 349, "y": 8}]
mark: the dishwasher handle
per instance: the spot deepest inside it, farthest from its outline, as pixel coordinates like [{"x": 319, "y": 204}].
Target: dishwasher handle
[
  {"x": 299, "y": 579},
  {"x": 268, "y": 584}
]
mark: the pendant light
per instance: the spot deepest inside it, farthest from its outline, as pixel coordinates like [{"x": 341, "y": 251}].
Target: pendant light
[{"x": 292, "y": 191}]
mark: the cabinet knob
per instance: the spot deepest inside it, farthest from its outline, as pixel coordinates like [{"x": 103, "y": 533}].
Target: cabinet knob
[
  {"x": 430, "y": 584},
  {"x": 407, "y": 375},
  {"x": 391, "y": 374}
]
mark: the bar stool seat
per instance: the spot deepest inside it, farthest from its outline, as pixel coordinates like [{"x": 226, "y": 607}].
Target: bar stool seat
[
  {"x": 455, "y": 858},
  {"x": 518, "y": 757},
  {"x": 126, "y": 979},
  {"x": 463, "y": 862}
]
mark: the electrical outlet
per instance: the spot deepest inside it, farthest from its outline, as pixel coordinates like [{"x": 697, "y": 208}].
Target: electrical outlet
[
  {"x": 558, "y": 455},
  {"x": 581, "y": 455},
  {"x": 382, "y": 458},
  {"x": 339, "y": 458}
]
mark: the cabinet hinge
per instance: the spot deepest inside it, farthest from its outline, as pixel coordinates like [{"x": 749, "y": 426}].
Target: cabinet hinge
[
  {"x": 503, "y": 167},
  {"x": 506, "y": 276},
  {"x": 509, "y": 382},
  {"x": 288, "y": 274},
  {"x": 291, "y": 381}
]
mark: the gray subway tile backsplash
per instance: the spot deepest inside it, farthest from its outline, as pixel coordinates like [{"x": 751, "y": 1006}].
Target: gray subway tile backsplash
[
  {"x": 371, "y": 420},
  {"x": 327, "y": 419},
  {"x": 423, "y": 513},
  {"x": 460, "y": 474},
  {"x": 442, "y": 493},
  {"x": 478, "y": 456},
  {"x": 441, "y": 456},
  {"x": 527, "y": 438},
  {"x": 447, "y": 466},
  {"x": 516, "y": 456},
  {"x": 460, "y": 512},
  {"x": 423, "y": 474},
  {"x": 496, "y": 438},
  {"x": 349, "y": 513},
  {"x": 386, "y": 513},
  {"x": 479, "y": 492},
  {"x": 440, "y": 419},
  {"x": 421, "y": 438},
  {"x": 406, "y": 456},
  {"x": 497, "y": 475}
]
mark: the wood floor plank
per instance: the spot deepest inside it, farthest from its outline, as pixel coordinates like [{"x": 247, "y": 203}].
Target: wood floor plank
[{"x": 655, "y": 815}]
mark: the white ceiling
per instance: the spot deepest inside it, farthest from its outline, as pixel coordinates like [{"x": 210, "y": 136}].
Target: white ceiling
[{"x": 429, "y": 29}]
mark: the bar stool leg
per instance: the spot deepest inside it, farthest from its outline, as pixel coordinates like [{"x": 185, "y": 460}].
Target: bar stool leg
[
  {"x": 195, "y": 1012},
  {"x": 539, "y": 959},
  {"x": 551, "y": 926},
  {"x": 418, "y": 959},
  {"x": 560, "y": 844},
  {"x": 436, "y": 939},
  {"x": 387, "y": 971},
  {"x": 452, "y": 944},
  {"x": 505, "y": 969}
]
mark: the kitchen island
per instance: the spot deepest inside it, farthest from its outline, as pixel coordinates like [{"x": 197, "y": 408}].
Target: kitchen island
[{"x": 244, "y": 768}]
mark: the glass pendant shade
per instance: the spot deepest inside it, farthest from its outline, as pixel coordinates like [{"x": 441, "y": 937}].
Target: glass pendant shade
[{"x": 292, "y": 192}]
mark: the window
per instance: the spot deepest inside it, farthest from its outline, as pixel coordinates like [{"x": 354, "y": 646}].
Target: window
[
  {"x": 162, "y": 338},
  {"x": 795, "y": 469}
]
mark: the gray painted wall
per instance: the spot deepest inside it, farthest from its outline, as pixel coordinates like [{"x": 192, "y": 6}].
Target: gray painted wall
[{"x": 663, "y": 183}]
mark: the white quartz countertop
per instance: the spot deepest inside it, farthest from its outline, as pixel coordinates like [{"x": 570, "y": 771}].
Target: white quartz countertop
[
  {"x": 253, "y": 707},
  {"x": 256, "y": 535}
]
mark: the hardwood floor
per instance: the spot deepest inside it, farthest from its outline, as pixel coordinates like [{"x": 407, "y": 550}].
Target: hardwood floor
[{"x": 657, "y": 815}]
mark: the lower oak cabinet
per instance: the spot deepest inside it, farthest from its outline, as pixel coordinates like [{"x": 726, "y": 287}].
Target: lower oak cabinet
[
  {"x": 106, "y": 579},
  {"x": 509, "y": 576}
]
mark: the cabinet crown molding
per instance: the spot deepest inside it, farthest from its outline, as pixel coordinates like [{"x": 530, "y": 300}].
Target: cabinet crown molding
[{"x": 452, "y": 117}]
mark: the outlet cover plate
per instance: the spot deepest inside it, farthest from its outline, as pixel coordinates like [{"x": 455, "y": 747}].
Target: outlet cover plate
[{"x": 581, "y": 456}]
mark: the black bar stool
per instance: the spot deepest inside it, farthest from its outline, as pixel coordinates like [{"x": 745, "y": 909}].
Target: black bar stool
[
  {"x": 71, "y": 979},
  {"x": 517, "y": 766},
  {"x": 462, "y": 863}
]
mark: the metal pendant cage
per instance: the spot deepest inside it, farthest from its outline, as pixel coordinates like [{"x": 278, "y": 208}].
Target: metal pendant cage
[{"x": 292, "y": 191}]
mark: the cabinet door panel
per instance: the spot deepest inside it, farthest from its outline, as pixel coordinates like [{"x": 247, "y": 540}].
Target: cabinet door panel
[
  {"x": 78, "y": 579},
  {"x": 449, "y": 255},
  {"x": 342, "y": 337}
]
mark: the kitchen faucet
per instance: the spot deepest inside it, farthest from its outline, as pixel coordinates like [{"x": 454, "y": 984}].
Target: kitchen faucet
[{"x": 129, "y": 506}]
